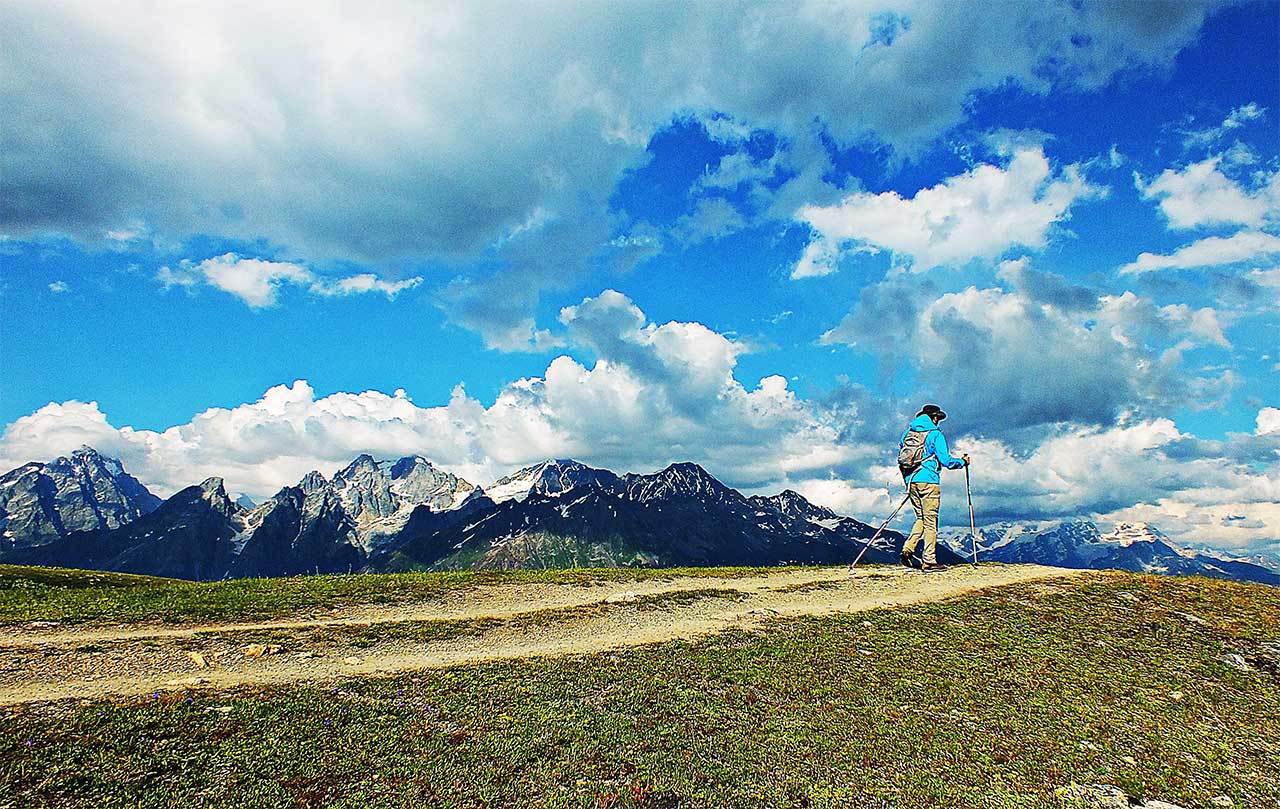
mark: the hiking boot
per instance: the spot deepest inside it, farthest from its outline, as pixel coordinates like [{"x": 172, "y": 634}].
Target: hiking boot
[
  {"x": 905, "y": 558},
  {"x": 932, "y": 567}
]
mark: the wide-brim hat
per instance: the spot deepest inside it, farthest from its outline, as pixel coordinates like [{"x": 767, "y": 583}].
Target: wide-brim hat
[{"x": 932, "y": 410}]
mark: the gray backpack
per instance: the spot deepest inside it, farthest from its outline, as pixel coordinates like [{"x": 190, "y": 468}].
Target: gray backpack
[{"x": 911, "y": 456}]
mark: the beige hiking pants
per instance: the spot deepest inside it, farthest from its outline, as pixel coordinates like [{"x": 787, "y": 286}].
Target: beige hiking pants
[{"x": 925, "y": 497}]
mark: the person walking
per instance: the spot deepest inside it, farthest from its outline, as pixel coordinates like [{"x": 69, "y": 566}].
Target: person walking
[{"x": 922, "y": 454}]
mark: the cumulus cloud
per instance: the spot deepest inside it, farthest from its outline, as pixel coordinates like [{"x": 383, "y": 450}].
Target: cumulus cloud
[
  {"x": 1145, "y": 470},
  {"x": 1211, "y": 251},
  {"x": 58, "y": 287},
  {"x": 1023, "y": 360},
  {"x": 257, "y": 282},
  {"x": 980, "y": 214},
  {"x": 1268, "y": 422},
  {"x": 655, "y": 393},
  {"x": 370, "y": 132},
  {"x": 1201, "y": 195}
]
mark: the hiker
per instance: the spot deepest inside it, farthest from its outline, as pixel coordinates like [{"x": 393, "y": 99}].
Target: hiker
[{"x": 921, "y": 455}]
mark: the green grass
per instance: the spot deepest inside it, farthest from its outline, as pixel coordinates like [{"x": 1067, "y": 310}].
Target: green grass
[
  {"x": 56, "y": 594},
  {"x": 991, "y": 700}
]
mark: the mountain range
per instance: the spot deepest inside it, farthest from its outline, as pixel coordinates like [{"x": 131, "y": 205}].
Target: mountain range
[
  {"x": 85, "y": 511},
  {"x": 409, "y": 514},
  {"x": 1078, "y": 543}
]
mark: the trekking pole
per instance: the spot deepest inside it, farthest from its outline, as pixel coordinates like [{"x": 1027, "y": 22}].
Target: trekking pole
[
  {"x": 973, "y": 530},
  {"x": 874, "y": 536}
]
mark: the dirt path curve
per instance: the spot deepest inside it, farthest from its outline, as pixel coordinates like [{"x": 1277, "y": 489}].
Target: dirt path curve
[{"x": 465, "y": 626}]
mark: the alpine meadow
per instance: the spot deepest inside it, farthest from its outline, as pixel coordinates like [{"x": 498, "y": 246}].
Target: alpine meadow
[{"x": 652, "y": 404}]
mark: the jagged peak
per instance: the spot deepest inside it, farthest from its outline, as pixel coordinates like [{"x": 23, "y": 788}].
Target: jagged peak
[
  {"x": 213, "y": 485},
  {"x": 312, "y": 481},
  {"x": 408, "y": 463},
  {"x": 682, "y": 479},
  {"x": 87, "y": 456},
  {"x": 550, "y": 477}
]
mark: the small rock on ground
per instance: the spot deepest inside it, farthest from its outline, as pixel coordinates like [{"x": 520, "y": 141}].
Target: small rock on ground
[
  {"x": 1106, "y": 796},
  {"x": 1235, "y": 661}
]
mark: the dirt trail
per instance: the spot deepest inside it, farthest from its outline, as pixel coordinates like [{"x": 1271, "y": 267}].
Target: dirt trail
[{"x": 464, "y": 626}]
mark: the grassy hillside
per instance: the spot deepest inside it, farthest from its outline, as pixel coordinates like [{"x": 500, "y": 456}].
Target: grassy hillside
[
  {"x": 990, "y": 700},
  {"x": 77, "y": 596}
]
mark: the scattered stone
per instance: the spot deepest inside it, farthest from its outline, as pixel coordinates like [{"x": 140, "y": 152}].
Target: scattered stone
[
  {"x": 353, "y": 660},
  {"x": 305, "y": 655},
  {"x": 1222, "y": 800},
  {"x": 1127, "y": 596},
  {"x": 222, "y": 709},
  {"x": 198, "y": 659},
  {"x": 867, "y": 624},
  {"x": 1176, "y": 696},
  {"x": 1087, "y": 745},
  {"x": 1235, "y": 661},
  {"x": 622, "y": 598},
  {"x": 1105, "y": 796},
  {"x": 187, "y": 681},
  {"x": 44, "y": 624},
  {"x": 1094, "y": 796},
  {"x": 866, "y": 652},
  {"x": 1192, "y": 619},
  {"x": 260, "y": 649}
]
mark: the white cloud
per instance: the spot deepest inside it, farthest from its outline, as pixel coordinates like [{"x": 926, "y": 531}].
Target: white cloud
[
  {"x": 1236, "y": 119},
  {"x": 1201, "y": 195},
  {"x": 364, "y": 282},
  {"x": 1134, "y": 471},
  {"x": 257, "y": 282},
  {"x": 58, "y": 287},
  {"x": 1211, "y": 251},
  {"x": 252, "y": 280},
  {"x": 372, "y": 132},
  {"x": 980, "y": 214},
  {"x": 1269, "y": 278},
  {"x": 1268, "y": 421},
  {"x": 671, "y": 384},
  {"x": 664, "y": 392}
]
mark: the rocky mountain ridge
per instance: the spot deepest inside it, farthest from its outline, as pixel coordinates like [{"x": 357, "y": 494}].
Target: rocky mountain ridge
[
  {"x": 83, "y": 491},
  {"x": 85, "y": 511}
]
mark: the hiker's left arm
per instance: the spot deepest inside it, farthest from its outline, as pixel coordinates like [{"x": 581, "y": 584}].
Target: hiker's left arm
[{"x": 944, "y": 454}]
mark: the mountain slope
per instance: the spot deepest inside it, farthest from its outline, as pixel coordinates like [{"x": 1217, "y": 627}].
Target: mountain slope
[
  {"x": 188, "y": 536},
  {"x": 85, "y": 491},
  {"x": 298, "y": 532}
]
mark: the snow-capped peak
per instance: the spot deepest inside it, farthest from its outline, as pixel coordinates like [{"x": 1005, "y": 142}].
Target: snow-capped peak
[
  {"x": 1126, "y": 534},
  {"x": 548, "y": 478},
  {"x": 677, "y": 480}
]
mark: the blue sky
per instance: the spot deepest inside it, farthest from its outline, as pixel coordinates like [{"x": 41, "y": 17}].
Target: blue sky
[{"x": 758, "y": 242}]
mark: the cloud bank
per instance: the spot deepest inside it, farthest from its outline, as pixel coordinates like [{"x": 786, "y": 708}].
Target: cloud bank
[
  {"x": 658, "y": 393},
  {"x": 377, "y": 132}
]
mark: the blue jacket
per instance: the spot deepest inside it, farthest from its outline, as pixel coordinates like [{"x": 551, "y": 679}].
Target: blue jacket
[{"x": 936, "y": 454}]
